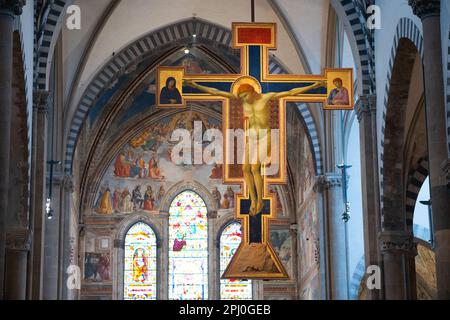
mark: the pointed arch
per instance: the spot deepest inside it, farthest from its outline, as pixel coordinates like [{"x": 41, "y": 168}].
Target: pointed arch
[
  {"x": 194, "y": 186},
  {"x": 352, "y": 14},
  {"x": 46, "y": 35},
  {"x": 416, "y": 178},
  {"x": 406, "y": 29}
]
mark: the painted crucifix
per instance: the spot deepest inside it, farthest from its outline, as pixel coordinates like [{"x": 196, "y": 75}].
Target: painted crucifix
[{"x": 255, "y": 100}]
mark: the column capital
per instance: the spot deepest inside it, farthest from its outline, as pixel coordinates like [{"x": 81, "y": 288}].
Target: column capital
[
  {"x": 397, "y": 242},
  {"x": 41, "y": 100},
  {"x": 13, "y": 6},
  {"x": 366, "y": 104},
  {"x": 212, "y": 214},
  {"x": 18, "y": 239},
  {"x": 119, "y": 244},
  {"x": 328, "y": 181},
  {"x": 425, "y": 8}
]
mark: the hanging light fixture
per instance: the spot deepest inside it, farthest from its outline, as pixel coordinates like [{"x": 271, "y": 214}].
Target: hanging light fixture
[
  {"x": 48, "y": 202},
  {"x": 48, "y": 209},
  {"x": 343, "y": 167}
]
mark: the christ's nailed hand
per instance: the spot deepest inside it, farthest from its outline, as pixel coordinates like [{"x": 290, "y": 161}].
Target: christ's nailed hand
[{"x": 321, "y": 84}]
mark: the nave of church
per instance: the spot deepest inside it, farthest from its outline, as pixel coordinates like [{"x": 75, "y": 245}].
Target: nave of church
[{"x": 112, "y": 111}]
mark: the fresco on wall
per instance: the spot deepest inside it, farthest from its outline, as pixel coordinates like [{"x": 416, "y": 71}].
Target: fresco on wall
[
  {"x": 307, "y": 175},
  {"x": 310, "y": 291},
  {"x": 282, "y": 243},
  {"x": 145, "y": 96},
  {"x": 195, "y": 62},
  {"x": 308, "y": 246},
  {"x": 96, "y": 267},
  {"x": 142, "y": 172},
  {"x": 308, "y": 238},
  {"x": 301, "y": 156},
  {"x": 144, "y": 169}
]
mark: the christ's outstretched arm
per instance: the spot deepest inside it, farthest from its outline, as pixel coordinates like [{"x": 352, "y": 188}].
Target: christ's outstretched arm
[
  {"x": 211, "y": 91},
  {"x": 297, "y": 91}
]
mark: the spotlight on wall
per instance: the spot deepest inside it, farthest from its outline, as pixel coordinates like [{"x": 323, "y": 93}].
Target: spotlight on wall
[{"x": 186, "y": 51}]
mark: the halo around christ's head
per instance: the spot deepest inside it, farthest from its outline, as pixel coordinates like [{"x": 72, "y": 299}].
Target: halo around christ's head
[{"x": 243, "y": 83}]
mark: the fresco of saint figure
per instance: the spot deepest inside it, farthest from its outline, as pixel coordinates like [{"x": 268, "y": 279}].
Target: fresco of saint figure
[
  {"x": 142, "y": 167},
  {"x": 161, "y": 194},
  {"x": 149, "y": 199},
  {"x": 217, "y": 196},
  {"x": 105, "y": 206},
  {"x": 126, "y": 203},
  {"x": 120, "y": 166},
  {"x": 103, "y": 267},
  {"x": 90, "y": 266},
  {"x": 216, "y": 172},
  {"x": 228, "y": 199},
  {"x": 137, "y": 198},
  {"x": 154, "y": 171},
  {"x": 116, "y": 199}
]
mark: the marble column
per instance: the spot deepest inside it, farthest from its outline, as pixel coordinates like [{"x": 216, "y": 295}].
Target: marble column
[
  {"x": 117, "y": 272},
  {"x": 293, "y": 231},
  {"x": 54, "y": 239},
  {"x": 366, "y": 113},
  {"x": 399, "y": 250},
  {"x": 164, "y": 247},
  {"x": 336, "y": 239},
  {"x": 18, "y": 244},
  {"x": 213, "y": 245},
  {"x": 38, "y": 192},
  {"x": 8, "y": 10},
  {"x": 429, "y": 12},
  {"x": 68, "y": 241}
]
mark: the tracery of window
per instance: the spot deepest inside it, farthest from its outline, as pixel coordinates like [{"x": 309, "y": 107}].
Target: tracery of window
[
  {"x": 188, "y": 248},
  {"x": 140, "y": 263},
  {"x": 229, "y": 242}
]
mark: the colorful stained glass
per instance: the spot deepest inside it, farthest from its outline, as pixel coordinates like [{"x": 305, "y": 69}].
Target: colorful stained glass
[
  {"x": 231, "y": 289},
  {"x": 188, "y": 248},
  {"x": 140, "y": 263}
]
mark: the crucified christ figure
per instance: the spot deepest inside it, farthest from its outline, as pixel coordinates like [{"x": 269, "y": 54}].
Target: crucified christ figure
[{"x": 257, "y": 113}]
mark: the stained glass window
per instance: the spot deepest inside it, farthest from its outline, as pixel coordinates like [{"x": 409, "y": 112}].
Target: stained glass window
[
  {"x": 231, "y": 289},
  {"x": 188, "y": 248},
  {"x": 140, "y": 263}
]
